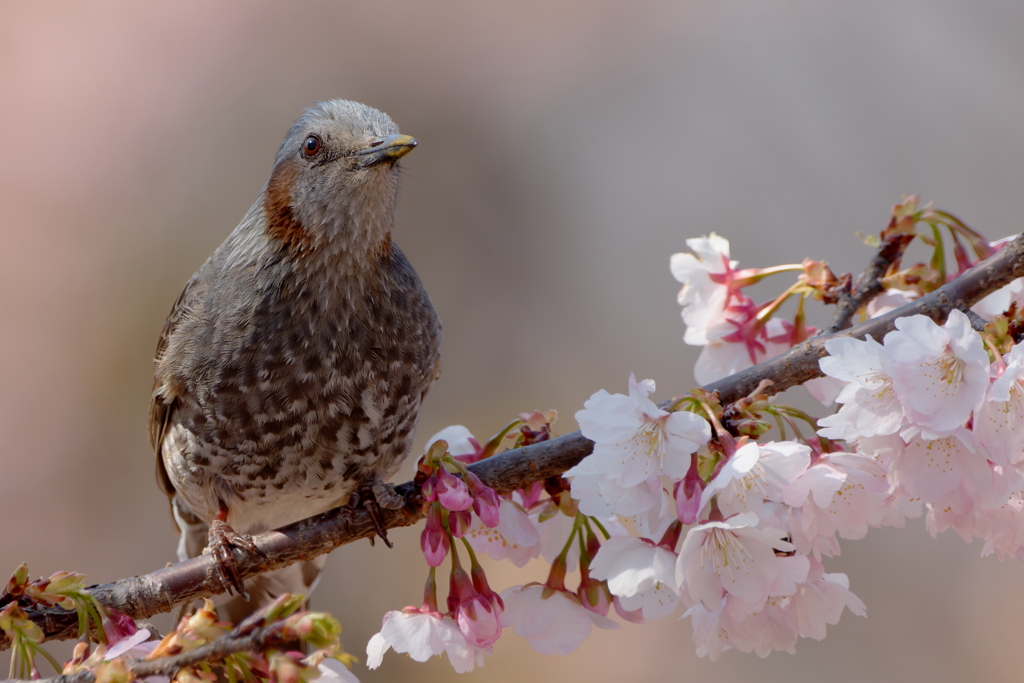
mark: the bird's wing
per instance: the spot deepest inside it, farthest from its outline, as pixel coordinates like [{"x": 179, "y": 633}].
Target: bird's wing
[{"x": 161, "y": 409}]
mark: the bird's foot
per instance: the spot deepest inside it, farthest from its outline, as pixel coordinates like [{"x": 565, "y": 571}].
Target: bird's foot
[
  {"x": 386, "y": 495},
  {"x": 373, "y": 495},
  {"x": 220, "y": 541}
]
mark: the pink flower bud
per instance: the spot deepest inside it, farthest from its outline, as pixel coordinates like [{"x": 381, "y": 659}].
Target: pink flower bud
[
  {"x": 452, "y": 492},
  {"x": 687, "y": 494},
  {"x": 479, "y": 620},
  {"x": 458, "y": 522},
  {"x": 429, "y": 489},
  {"x": 595, "y": 596},
  {"x": 460, "y": 588},
  {"x": 481, "y": 586},
  {"x": 434, "y": 539},
  {"x": 485, "y": 501}
]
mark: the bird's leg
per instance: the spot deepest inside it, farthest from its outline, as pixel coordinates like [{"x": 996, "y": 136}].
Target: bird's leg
[
  {"x": 220, "y": 541},
  {"x": 372, "y": 495}
]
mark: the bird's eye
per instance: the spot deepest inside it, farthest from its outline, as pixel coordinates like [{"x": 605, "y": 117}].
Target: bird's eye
[{"x": 311, "y": 146}]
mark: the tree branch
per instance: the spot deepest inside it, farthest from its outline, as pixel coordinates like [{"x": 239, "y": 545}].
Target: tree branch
[
  {"x": 143, "y": 596},
  {"x": 869, "y": 283},
  {"x": 255, "y": 641}
]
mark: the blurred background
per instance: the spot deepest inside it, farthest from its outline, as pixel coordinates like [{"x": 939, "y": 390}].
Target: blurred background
[{"x": 567, "y": 148}]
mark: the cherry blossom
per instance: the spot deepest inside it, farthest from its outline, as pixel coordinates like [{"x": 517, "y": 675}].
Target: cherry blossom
[
  {"x": 940, "y": 374},
  {"x": 821, "y": 600},
  {"x": 739, "y": 342},
  {"x": 459, "y": 439},
  {"x": 640, "y": 573},
  {"x": 732, "y": 556},
  {"x": 948, "y": 471},
  {"x": 635, "y": 440},
  {"x": 890, "y": 300},
  {"x": 516, "y": 538},
  {"x": 706, "y": 279},
  {"x": 870, "y": 405},
  {"x": 422, "y": 634},
  {"x": 600, "y": 496},
  {"x": 551, "y": 620},
  {"x": 999, "y": 423},
  {"x": 844, "y": 493},
  {"x": 756, "y": 472}
]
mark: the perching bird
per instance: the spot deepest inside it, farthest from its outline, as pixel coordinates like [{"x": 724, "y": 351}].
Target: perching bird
[{"x": 291, "y": 369}]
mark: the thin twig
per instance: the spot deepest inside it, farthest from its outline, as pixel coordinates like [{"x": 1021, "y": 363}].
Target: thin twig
[
  {"x": 869, "y": 283},
  {"x": 215, "y": 652},
  {"x": 143, "y": 596}
]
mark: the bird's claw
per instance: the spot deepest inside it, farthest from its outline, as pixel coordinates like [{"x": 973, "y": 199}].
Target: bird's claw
[
  {"x": 221, "y": 539},
  {"x": 372, "y": 496}
]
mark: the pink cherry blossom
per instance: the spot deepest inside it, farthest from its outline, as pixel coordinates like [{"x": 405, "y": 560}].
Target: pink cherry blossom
[
  {"x": 756, "y": 472},
  {"x": 947, "y": 471},
  {"x": 999, "y": 423},
  {"x": 844, "y": 493},
  {"x": 640, "y": 573},
  {"x": 729, "y": 556},
  {"x": 516, "y": 537},
  {"x": 740, "y": 341},
  {"x": 460, "y": 440},
  {"x": 687, "y": 494},
  {"x": 733, "y": 624},
  {"x": 552, "y": 621},
  {"x": 635, "y": 440},
  {"x": 821, "y": 600},
  {"x": 870, "y": 405},
  {"x": 485, "y": 500},
  {"x": 475, "y": 607},
  {"x": 600, "y": 496},
  {"x": 707, "y": 290},
  {"x": 423, "y": 634},
  {"x": 816, "y": 600},
  {"x": 940, "y": 374}
]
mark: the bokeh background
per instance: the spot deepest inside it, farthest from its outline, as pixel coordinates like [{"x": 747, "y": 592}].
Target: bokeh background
[{"x": 568, "y": 147}]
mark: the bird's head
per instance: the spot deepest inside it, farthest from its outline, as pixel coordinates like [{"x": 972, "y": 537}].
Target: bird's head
[{"x": 335, "y": 179}]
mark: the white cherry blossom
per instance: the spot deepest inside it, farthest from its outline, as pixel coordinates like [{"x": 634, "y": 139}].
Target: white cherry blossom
[
  {"x": 844, "y": 493},
  {"x": 640, "y": 573},
  {"x": 730, "y": 350},
  {"x": 516, "y": 538},
  {"x": 870, "y": 405},
  {"x": 821, "y": 600},
  {"x": 706, "y": 292},
  {"x": 600, "y": 496},
  {"x": 423, "y": 634},
  {"x": 732, "y": 556},
  {"x": 635, "y": 440},
  {"x": 999, "y": 423},
  {"x": 756, "y": 472},
  {"x": 940, "y": 374},
  {"x": 948, "y": 470}
]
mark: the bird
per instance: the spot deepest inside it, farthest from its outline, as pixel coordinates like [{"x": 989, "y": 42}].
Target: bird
[{"x": 290, "y": 372}]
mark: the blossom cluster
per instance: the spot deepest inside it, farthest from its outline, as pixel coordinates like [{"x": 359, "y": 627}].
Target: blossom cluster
[
  {"x": 945, "y": 418},
  {"x": 541, "y": 521}
]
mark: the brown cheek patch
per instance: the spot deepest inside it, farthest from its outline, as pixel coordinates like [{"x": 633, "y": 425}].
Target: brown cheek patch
[{"x": 277, "y": 203}]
